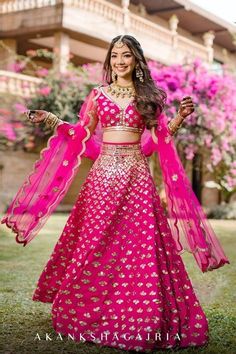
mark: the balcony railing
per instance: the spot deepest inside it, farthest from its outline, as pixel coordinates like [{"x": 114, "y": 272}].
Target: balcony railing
[
  {"x": 111, "y": 12},
  {"x": 22, "y": 5},
  {"x": 18, "y": 84}
]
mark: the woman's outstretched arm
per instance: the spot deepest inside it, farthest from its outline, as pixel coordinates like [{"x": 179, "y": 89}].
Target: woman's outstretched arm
[{"x": 186, "y": 107}]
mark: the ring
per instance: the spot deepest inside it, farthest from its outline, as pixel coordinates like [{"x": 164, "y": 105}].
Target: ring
[{"x": 29, "y": 115}]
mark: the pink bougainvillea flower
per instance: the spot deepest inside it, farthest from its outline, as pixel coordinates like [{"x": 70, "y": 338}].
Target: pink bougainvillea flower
[
  {"x": 7, "y": 130},
  {"x": 216, "y": 156},
  {"x": 43, "y": 72},
  {"x": 230, "y": 181},
  {"x": 17, "y": 67},
  {"x": 190, "y": 150},
  {"x": 45, "y": 91},
  {"x": 20, "y": 107}
]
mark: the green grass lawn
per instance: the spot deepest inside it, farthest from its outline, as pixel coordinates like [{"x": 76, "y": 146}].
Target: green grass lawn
[{"x": 23, "y": 318}]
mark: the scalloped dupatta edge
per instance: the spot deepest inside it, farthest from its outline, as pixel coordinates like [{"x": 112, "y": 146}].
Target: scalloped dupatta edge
[
  {"x": 190, "y": 228},
  {"x": 47, "y": 184}
]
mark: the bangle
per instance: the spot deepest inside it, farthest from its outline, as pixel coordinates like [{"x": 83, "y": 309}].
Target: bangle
[
  {"x": 51, "y": 120},
  {"x": 173, "y": 126}
]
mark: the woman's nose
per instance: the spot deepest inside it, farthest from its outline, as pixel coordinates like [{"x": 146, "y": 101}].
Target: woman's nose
[{"x": 120, "y": 61}]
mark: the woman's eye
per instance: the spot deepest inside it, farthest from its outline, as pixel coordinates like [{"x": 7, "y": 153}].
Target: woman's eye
[{"x": 127, "y": 56}]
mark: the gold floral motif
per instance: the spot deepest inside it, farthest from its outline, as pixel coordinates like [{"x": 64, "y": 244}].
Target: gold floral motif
[
  {"x": 174, "y": 177},
  {"x": 82, "y": 323},
  {"x": 168, "y": 138},
  {"x": 198, "y": 317},
  {"x": 198, "y": 325},
  {"x": 195, "y": 334},
  {"x": 65, "y": 163},
  {"x": 72, "y": 311},
  {"x": 71, "y": 131}
]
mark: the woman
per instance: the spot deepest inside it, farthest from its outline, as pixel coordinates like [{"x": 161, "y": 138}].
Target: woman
[{"x": 115, "y": 276}]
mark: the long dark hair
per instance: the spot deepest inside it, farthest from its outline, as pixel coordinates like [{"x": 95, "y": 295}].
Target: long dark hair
[{"x": 149, "y": 98}]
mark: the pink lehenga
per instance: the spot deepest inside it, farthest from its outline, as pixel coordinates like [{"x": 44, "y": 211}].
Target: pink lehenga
[{"x": 115, "y": 276}]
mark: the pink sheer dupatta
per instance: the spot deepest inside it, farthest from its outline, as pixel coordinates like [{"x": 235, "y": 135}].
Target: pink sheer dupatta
[
  {"x": 52, "y": 175},
  {"x": 189, "y": 225}
]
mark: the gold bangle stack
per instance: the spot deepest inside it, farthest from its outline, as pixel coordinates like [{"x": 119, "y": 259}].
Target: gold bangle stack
[
  {"x": 51, "y": 120},
  {"x": 174, "y": 126}
]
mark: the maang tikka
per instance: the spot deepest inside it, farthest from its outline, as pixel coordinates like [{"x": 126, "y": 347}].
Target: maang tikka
[{"x": 119, "y": 43}]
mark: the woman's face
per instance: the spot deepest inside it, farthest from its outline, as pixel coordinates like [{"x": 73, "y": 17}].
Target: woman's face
[{"x": 122, "y": 61}]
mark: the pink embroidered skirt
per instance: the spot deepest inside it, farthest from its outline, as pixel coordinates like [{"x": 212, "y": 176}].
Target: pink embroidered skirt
[{"x": 114, "y": 277}]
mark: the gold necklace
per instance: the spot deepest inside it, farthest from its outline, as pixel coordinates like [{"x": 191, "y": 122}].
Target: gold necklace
[{"x": 121, "y": 91}]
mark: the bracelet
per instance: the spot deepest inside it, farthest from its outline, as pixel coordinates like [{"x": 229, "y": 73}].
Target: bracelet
[
  {"x": 51, "y": 120},
  {"x": 173, "y": 126}
]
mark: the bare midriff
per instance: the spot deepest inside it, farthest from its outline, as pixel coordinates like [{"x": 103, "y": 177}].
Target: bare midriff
[{"x": 121, "y": 137}]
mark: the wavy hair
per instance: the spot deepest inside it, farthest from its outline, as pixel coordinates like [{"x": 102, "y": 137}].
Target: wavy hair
[{"x": 149, "y": 99}]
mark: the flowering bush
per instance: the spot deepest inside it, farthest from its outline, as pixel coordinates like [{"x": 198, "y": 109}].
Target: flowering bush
[
  {"x": 211, "y": 129},
  {"x": 61, "y": 94}
]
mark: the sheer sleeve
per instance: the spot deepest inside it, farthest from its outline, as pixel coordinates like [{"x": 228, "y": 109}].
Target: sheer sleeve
[
  {"x": 52, "y": 174},
  {"x": 87, "y": 115}
]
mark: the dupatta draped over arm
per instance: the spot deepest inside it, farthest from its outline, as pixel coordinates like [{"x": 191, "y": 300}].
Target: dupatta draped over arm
[
  {"x": 59, "y": 162},
  {"x": 189, "y": 225},
  {"x": 52, "y": 174}
]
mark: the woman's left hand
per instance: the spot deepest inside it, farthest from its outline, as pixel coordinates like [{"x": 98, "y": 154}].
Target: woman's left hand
[{"x": 186, "y": 106}]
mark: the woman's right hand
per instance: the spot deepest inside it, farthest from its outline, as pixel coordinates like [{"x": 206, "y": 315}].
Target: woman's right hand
[{"x": 36, "y": 116}]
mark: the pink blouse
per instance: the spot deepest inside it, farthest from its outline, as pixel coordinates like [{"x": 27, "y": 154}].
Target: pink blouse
[{"x": 113, "y": 117}]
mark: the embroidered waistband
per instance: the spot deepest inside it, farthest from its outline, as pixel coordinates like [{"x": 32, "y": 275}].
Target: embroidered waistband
[
  {"x": 124, "y": 148},
  {"x": 123, "y": 128}
]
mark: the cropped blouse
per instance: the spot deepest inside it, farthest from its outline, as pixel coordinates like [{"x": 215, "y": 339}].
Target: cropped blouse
[{"x": 114, "y": 117}]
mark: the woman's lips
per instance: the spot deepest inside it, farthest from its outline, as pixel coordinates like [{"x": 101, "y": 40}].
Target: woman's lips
[{"x": 121, "y": 69}]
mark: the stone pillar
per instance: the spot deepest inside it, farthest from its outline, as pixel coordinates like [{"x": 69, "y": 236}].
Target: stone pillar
[
  {"x": 125, "y": 9},
  {"x": 8, "y": 51},
  {"x": 208, "y": 39},
  {"x": 226, "y": 59},
  {"x": 142, "y": 10},
  {"x": 173, "y": 25},
  {"x": 61, "y": 51}
]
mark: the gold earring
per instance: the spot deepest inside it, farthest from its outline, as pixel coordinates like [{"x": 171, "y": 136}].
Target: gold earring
[
  {"x": 113, "y": 76},
  {"x": 139, "y": 73}
]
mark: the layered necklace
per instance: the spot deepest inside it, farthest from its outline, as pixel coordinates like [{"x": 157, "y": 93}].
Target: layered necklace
[{"x": 121, "y": 91}]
